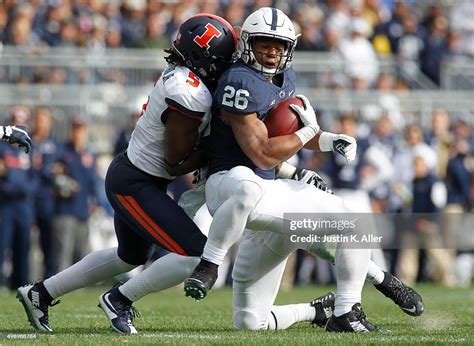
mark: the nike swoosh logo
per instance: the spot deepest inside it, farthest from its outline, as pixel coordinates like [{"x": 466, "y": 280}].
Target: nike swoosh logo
[
  {"x": 413, "y": 309},
  {"x": 110, "y": 306}
]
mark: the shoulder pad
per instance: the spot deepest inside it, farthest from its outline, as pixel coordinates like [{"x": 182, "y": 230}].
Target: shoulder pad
[{"x": 185, "y": 92}]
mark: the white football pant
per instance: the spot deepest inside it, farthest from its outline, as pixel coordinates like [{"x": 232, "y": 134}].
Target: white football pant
[{"x": 261, "y": 204}]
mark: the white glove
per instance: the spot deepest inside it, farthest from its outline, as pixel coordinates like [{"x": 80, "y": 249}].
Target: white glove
[
  {"x": 306, "y": 113},
  {"x": 342, "y": 144},
  {"x": 308, "y": 118}
]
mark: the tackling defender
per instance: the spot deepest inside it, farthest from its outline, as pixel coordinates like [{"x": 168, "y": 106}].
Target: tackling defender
[
  {"x": 164, "y": 144},
  {"x": 241, "y": 190}
]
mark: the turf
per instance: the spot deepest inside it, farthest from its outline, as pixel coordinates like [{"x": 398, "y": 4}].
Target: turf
[{"x": 169, "y": 318}]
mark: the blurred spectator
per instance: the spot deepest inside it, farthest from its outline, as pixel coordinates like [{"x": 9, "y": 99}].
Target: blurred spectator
[
  {"x": 235, "y": 13},
  {"x": 76, "y": 192},
  {"x": 56, "y": 13},
  {"x": 458, "y": 181},
  {"x": 133, "y": 22},
  {"x": 360, "y": 61},
  {"x": 411, "y": 45},
  {"x": 354, "y": 180},
  {"x": 311, "y": 19},
  {"x": 46, "y": 152},
  {"x": 403, "y": 162},
  {"x": 3, "y": 22},
  {"x": 435, "y": 47},
  {"x": 388, "y": 34},
  {"x": 432, "y": 13},
  {"x": 17, "y": 187},
  {"x": 388, "y": 101},
  {"x": 384, "y": 136},
  {"x": 156, "y": 36},
  {"x": 121, "y": 143},
  {"x": 429, "y": 195},
  {"x": 68, "y": 33},
  {"x": 113, "y": 36},
  {"x": 440, "y": 139},
  {"x": 97, "y": 43},
  {"x": 461, "y": 17},
  {"x": 21, "y": 34}
]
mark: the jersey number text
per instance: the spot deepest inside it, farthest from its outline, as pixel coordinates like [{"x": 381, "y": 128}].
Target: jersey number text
[{"x": 240, "y": 101}]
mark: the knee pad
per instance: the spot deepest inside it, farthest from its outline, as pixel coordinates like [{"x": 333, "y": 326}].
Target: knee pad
[
  {"x": 244, "y": 319},
  {"x": 247, "y": 194}
]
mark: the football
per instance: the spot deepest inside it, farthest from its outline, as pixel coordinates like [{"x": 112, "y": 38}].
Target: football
[{"x": 282, "y": 120}]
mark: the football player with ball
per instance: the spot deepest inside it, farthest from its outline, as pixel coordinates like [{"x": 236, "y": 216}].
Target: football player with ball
[{"x": 242, "y": 190}]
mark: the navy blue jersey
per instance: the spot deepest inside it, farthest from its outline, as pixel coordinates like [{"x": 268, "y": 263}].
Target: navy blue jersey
[{"x": 242, "y": 90}]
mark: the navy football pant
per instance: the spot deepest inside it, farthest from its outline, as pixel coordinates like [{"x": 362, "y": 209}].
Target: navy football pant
[{"x": 146, "y": 215}]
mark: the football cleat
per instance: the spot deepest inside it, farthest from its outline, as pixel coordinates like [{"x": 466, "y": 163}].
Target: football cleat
[
  {"x": 324, "y": 307},
  {"x": 405, "y": 297},
  {"x": 352, "y": 322},
  {"x": 36, "y": 306},
  {"x": 201, "y": 281},
  {"x": 119, "y": 311}
]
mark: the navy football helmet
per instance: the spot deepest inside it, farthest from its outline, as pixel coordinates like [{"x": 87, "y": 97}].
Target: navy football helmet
[{"x": 207, "y": 45}]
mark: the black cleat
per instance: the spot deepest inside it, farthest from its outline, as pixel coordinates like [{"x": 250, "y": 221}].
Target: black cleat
[
  {"x": 36, "y": 306},
  {"x": 201, "y": 281},
  {"x": 324, "y": 307},
  {"x": 119, "y": 311},
  {"x": 352, "y": 322},
  {"x": 405, "y": 297}
]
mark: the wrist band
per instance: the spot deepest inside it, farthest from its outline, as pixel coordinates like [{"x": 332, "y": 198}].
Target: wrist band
[
  {"x": 307, "y": 133},
  {"x": 286, "y": 171}
]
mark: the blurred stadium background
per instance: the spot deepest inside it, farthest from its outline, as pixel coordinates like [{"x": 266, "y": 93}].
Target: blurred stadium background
[{"x": 403, "y": 70}]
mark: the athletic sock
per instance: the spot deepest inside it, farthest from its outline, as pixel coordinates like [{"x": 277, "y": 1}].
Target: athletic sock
[
  {"x": 213, "y": 254},
  {"x": 351, "y": 269},
  {"x": 284, "y": 316},
  {"x": 375, "y": 273},
  {"x": 165, "y": 272},
  {"x": 95, "y": 267}
]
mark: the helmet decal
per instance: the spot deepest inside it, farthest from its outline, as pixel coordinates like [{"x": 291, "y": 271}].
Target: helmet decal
[{"x": 211, "y": 32}]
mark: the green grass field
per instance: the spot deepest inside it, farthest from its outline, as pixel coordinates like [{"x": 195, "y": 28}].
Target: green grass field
[{"x": 169, "y": 318}]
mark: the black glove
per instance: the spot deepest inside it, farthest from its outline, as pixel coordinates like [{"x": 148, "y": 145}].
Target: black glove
[
  {"x": 311, "y": 178},
  {"x": 17, "y": 135}
]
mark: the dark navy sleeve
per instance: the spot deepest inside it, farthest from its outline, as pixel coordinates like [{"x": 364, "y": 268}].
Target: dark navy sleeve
[{"x": 239, "y": 93}]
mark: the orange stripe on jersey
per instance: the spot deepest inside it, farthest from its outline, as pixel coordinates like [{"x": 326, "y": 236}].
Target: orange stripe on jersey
[{"x": 152, "y": 229}]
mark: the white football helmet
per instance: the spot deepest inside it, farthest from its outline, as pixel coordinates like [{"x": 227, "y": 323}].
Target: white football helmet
[{"x": 267, "y": 22}]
